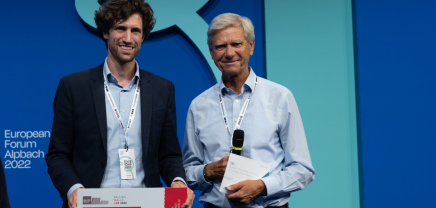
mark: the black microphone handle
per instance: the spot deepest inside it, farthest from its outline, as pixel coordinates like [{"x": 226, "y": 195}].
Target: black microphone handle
[
  {"x": 236, "y": 152},
  {"x": 237, "y": 141}
]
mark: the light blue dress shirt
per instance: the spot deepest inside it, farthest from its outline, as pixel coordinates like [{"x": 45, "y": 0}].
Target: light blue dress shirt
[
  {"x": 274, "y": 134},
  {"x": 123, "y": 97}
]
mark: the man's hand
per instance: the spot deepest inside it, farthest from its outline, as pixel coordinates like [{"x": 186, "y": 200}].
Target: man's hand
[
  {"x": 216, "y": 169},
  {"x": 72, "y": 202},
  {"x": 190, "y": 194},
  {"x": 246, "y": 191}
]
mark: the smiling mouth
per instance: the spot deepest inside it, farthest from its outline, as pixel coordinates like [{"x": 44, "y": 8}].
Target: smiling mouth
[
  {"x": 126, "y": 47},
  {"x": 230, "y": 62}
]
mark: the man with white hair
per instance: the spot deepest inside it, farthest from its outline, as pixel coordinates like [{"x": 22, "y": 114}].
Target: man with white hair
[{"x": 265, "y": 111}]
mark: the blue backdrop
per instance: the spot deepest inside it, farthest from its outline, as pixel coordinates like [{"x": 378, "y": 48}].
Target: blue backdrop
[
  {"x": 45, "y": 40},
  {"x": 396, "y": 60}
]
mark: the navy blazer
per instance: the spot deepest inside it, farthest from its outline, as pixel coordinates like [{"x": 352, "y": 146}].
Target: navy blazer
[
  {"x": 78, "y": 143},
  {"x": 4, "y": 199}
]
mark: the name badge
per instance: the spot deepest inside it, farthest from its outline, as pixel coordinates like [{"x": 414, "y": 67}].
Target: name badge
[{"x": 127, "y": 164}]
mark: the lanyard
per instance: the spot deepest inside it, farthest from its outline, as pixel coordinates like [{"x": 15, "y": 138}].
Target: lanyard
[
  {"x": 117, "y": 112},
  {"x": 241, "y": 114}
]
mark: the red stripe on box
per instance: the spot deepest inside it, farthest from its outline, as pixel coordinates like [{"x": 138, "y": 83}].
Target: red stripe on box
[{"x": 175, "y": 197}]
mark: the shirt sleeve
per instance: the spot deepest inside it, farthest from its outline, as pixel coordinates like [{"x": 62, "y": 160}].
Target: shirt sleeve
[
  {"x": 74, "y": 187},
  {"x": 179, "y": 179},
  {"x": 193, "y": 157},
  {"x": 297, "y": 172}
]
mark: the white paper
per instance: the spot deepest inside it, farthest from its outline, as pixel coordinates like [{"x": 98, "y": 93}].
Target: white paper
[{"x": 240, "y": 169}]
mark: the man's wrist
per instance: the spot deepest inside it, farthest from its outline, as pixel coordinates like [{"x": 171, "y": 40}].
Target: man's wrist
[
  {"x": 73, "y": 188},
  {"x": 208, "y": 179},
  {"x": 264, "y": 192},
  {"x": 179, "y": 179},
  {"x": 272, "y": 185}
]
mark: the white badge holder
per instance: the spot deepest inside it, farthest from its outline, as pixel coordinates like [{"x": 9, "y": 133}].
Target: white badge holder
[{"x": 127, "y": 164}]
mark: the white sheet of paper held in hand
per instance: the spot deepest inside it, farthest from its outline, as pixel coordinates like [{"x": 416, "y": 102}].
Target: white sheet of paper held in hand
[{"x": 240, "y": 169}]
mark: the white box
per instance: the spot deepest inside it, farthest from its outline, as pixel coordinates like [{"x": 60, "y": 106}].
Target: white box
[{"x": 131, "y": 197}]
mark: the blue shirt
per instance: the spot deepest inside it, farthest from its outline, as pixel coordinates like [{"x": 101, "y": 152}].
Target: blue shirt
[
  {"x": 123, "y": 97},
  {"x": 274, "y": 134}
]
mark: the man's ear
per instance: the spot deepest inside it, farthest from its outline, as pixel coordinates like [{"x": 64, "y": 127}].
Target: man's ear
[
  {"x": 252, "y": 47},
  {"x": 211, "y": 52},
  {"x": 105, "y": 35}
]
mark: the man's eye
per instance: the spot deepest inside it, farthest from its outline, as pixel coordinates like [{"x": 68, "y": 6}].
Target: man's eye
[
  {"x": 236, "y": 44},
  {"x": 219, "y": 47}
]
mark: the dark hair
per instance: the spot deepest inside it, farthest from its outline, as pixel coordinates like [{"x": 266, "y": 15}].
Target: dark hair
[{"x": 113, "y": 11}]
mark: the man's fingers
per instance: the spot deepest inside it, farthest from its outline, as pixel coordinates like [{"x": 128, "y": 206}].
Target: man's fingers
[
  {"x": 236, "y": 196},
  {"x": 245, "y": 192},
  {"x": 223, "y": 161},
  {"x": 188, "y": 203},
  {"x": 234, "y": 201},
  {"x": 224, "y": 164},
  {"x": 238, "y": 199},
  {"x": 233, "y": 196},
  {"x": 72, "y": 203},
  {"x": 189, "y": 199},
  {"x": 189, "y": 193},
  {"x": 191, "y": 196},
  {"x": 235, "y": 187}
]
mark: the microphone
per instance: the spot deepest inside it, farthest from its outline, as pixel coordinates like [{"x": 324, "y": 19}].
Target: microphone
[{"x": 238, "y": 141}]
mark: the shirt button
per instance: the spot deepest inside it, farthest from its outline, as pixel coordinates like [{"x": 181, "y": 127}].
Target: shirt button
[
  {"x": 237, "y": 100},
  {"x": 122, "y": 110},
  {"x": 236, "y": 119}
]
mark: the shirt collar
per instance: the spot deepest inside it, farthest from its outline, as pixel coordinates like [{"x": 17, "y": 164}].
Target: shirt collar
[
  {"x": 248, "y": 85},
  {"x": 107, "y": 73}
]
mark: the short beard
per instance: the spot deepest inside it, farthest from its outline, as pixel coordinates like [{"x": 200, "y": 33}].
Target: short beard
[{"x": 114, "y": 51}]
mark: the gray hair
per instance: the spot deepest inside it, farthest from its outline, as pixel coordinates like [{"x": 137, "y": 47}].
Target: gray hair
[{"x": 226, "y": 20}]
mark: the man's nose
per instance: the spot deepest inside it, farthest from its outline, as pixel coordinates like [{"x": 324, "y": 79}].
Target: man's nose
[
  {"x": 127, "y": 36},
  {"x": 230, "y": 51}
]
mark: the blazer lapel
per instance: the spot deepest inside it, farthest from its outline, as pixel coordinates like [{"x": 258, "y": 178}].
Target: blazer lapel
[
  {"x": 146, "y": 111},
  {"x": 97, "y": 87}
]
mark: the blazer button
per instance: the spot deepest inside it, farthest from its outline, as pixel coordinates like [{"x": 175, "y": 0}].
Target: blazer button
[{"x": 102, "y": 164}]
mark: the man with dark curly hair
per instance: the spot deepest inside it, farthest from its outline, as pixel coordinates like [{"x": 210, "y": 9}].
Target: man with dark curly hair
[{"x": 114, "y": 125}]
